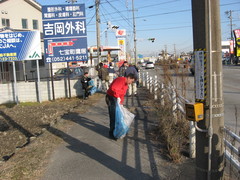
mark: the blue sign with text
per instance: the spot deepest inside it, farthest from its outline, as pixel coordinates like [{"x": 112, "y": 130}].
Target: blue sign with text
[
  {"x": 18, "y": 46},
  {"x": 65, "y": 34}
]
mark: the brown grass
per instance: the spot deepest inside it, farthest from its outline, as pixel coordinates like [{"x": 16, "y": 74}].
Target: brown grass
[{"x": 173, "y": 130}]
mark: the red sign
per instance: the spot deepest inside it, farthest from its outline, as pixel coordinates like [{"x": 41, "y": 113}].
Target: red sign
[
  {"x": 121, "y": 32},
  {"x": 237, "y": 33},
  {"x": 231, "y": 47}
]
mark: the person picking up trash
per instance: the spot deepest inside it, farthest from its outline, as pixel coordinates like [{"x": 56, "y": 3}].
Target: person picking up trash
[{"x": 115, "y": 96}]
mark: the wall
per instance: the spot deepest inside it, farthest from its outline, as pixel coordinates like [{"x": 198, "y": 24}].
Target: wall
[{"x": 28, "y": 91}]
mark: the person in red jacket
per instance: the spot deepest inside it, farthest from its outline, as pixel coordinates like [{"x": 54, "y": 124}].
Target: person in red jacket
[{"x": 116, "y": 93}]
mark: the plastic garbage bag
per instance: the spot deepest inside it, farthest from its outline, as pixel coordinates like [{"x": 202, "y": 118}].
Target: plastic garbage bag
[
  {"x": 93, "y": 90},
  {"x": 123, "y": 120},
  {"x": 91, "y": 83}
]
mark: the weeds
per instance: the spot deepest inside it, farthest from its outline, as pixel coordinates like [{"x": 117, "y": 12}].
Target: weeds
[
  {"x": 174, "y": 134},
  {"x": 174, "y": 129}
]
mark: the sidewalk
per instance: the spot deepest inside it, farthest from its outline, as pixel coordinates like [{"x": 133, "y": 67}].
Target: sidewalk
[{"x": 88, "y": 153}]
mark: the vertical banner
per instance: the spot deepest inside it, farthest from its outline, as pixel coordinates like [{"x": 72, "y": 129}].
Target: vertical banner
[
  {"x": 121, "y": 39},
  {"x": 122, "y": 46},
  {"x": 200, "y": 75},
  {"x": 237, "y": 41},
  {"x": 231, "y": 47}
]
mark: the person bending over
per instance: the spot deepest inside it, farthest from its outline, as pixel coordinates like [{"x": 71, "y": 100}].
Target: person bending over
[{"x": 116, "y": 93}]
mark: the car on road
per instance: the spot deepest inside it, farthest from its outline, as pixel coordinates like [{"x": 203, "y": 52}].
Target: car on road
[
  {"x": 226, "y": 60},
  {"x": 74, "y": 73},
  {"x": 149, "y": 65},
  {"x": 143, "y": 64}
]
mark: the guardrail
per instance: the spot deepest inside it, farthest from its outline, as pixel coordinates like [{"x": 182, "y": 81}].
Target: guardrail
[
  {"x": 160, "y": 90},
  {"x": 232, "y": 153}
]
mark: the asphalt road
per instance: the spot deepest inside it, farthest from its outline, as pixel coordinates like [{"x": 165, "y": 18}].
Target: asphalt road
[{"x": 231, "y": 93}]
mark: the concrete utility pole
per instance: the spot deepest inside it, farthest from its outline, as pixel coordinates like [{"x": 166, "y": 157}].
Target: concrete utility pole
[
  {"x": 175, "y": 53},
  {"x": 229, "y": 14},
  {"x": 209, "y": 138},
  {"x": 134, "y": 32},
  {"x": 97, "y": 2}
]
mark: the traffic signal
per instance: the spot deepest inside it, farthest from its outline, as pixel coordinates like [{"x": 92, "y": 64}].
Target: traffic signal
[
  {"x": 114, "y": 27},
  {"x": 151, "y": 39}
]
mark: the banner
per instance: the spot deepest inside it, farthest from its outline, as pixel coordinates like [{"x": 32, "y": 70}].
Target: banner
[
  {"x": 237, "y": 41},
  {"x": 18, "y": 46},
  {"x": 231, "y": 47},
  {"x": 122, "y": 51}
]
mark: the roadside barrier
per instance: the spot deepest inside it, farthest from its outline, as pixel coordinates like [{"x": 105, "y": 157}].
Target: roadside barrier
[
  {"x": 232, "y": 152},
  {"x": 161, "y": 91}
]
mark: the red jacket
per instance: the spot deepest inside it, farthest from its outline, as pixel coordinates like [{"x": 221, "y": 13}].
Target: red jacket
[{"x": 118, "y": 88}]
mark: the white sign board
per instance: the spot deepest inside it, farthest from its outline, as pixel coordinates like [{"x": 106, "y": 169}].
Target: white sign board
[{"x": 199, "y": 75}]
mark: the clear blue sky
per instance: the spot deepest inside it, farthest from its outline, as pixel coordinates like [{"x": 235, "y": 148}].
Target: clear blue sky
[{"x": 169, "y": 21}]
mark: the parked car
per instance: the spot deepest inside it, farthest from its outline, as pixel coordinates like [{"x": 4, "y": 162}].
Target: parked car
[
  {"x": 143, "y": 64},
  {"x": 74, "y": 73},
  {"x": 149, "y": 65},
  {"x": 226, "y": 60}
]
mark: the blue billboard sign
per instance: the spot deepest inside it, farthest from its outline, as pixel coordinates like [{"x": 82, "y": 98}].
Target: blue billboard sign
[
  {"x": 18, "y": 46},
  {"x": 65, "y": 34}
]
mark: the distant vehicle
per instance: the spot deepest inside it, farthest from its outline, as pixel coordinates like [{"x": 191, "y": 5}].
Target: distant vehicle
[
  {"x": 149, "y": 65},
  {"x": 143, "y": 64},
  {"x": 74, "y": 73},
  {"x": 226, "y": 60}
]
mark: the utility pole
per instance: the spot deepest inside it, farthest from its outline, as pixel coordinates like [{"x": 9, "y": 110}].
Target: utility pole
[
  {"x": 97, "y": 2},
  {"x": 165, "y": 52},
  {"x": 134, "y": 32},
  {"x": 229, "y": 14},
  {"x": 175, "y": 54},
  {"x": 209, "y": 134}
]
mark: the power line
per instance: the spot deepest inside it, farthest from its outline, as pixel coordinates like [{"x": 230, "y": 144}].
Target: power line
[
  {"x": 179, "y": 27},
  {"x": 124, "y": 18},
  {"x": 157, "y": 4}
]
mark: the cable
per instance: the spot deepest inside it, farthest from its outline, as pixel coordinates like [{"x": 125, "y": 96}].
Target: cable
[
  {"x": 157, "y": 4},
  {"x": 91, "y": 19},
  {"x": 124, "y": 18},
  {"x": 165, "y": 28}
]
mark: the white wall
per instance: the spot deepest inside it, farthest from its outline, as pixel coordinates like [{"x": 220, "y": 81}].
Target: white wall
[{"x": 28, "y": 91}]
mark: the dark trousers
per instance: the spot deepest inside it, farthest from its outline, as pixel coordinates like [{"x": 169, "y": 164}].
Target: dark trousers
[
  {"x": 86, "y": 92},
  {"x": 111, "y": 102}
]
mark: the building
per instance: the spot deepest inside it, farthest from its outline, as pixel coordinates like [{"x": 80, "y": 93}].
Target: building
[{"x": 225, "y": 46}]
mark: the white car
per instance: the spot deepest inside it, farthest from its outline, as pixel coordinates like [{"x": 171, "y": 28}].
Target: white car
[
  {"x": 143, "y": 64},
  {"x": 149, "y": 65}
]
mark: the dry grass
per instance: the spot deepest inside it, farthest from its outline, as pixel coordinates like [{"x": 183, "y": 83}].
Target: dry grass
[
  {"x": 173, "y": 129},
  {"x": 173, "y": 133}
]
